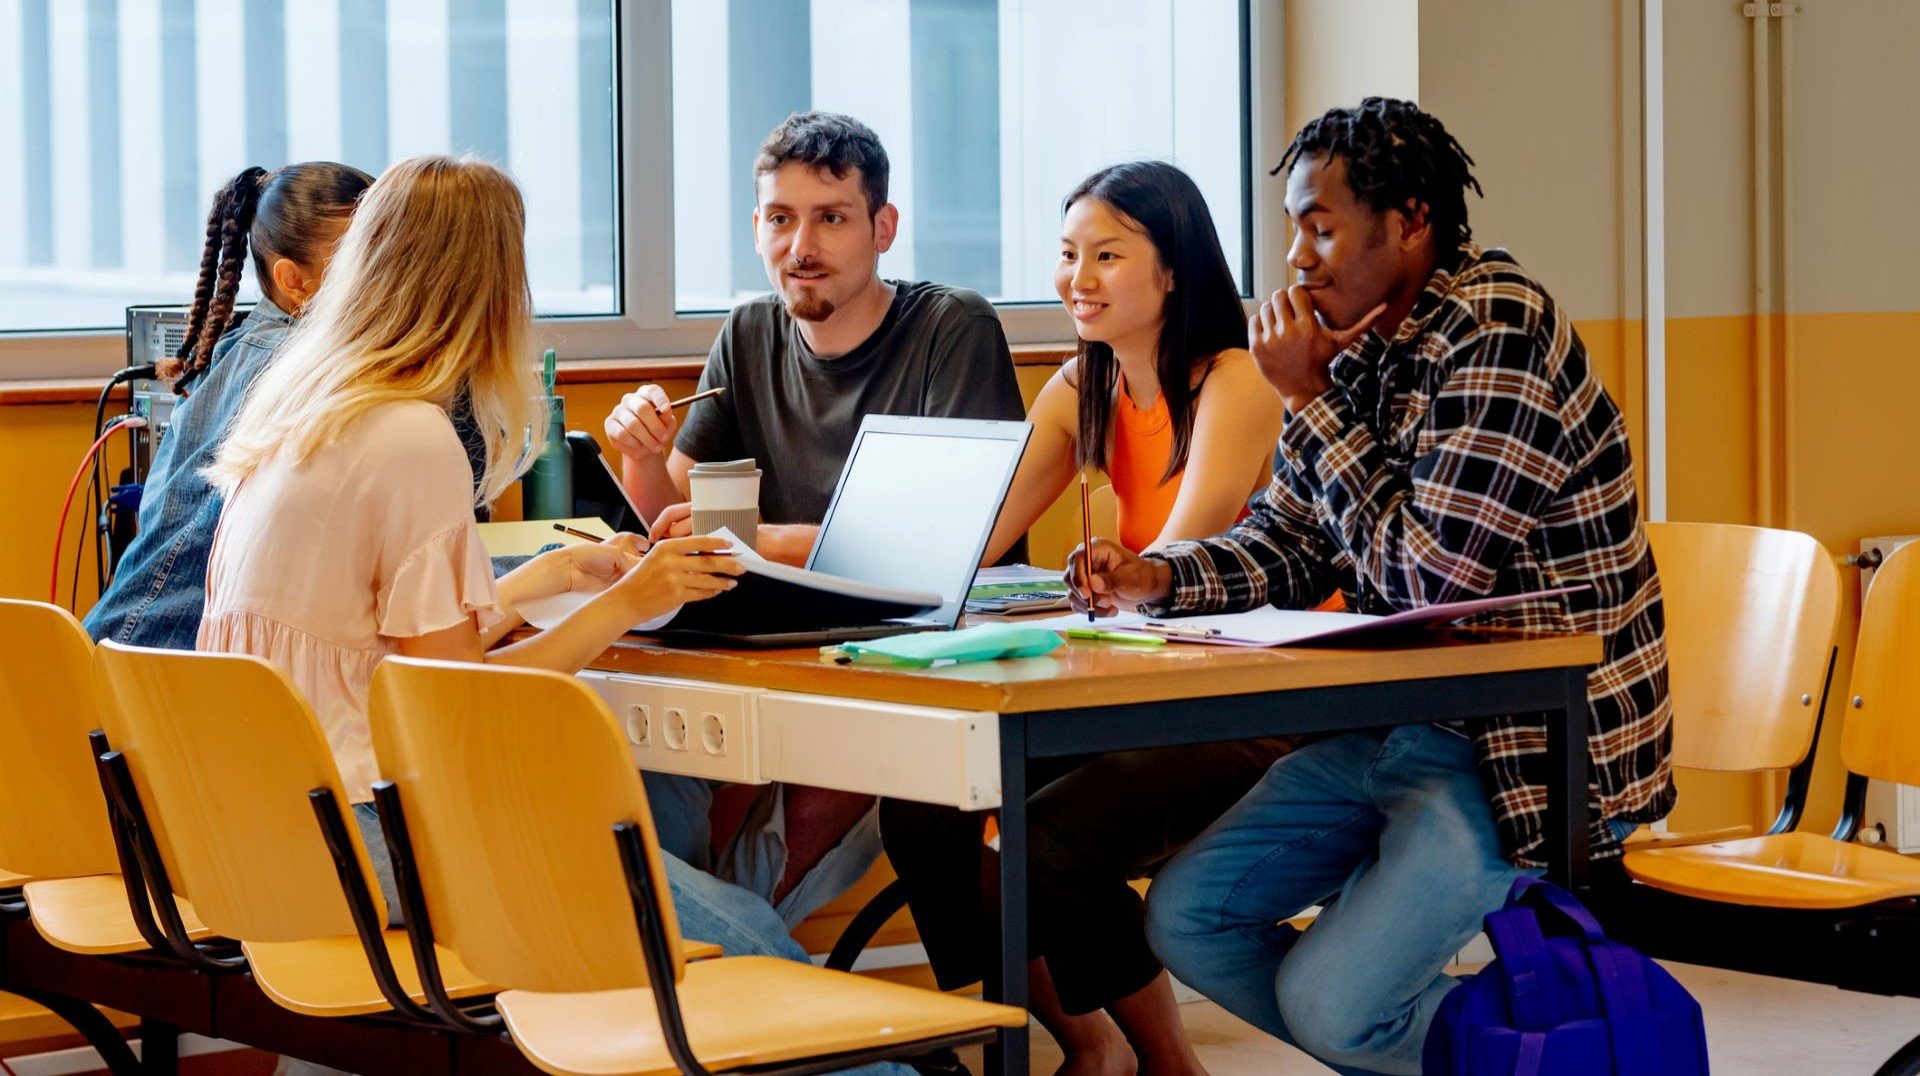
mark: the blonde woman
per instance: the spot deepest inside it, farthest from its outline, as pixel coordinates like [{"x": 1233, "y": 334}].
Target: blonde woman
[{"x": 348, "y": 531}]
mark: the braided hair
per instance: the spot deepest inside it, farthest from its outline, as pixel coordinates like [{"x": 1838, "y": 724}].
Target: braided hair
[
  {"x": 219, "y": 280},
  {"x": 285, "y": 213},
  {"x": 1396, "y": 156}
]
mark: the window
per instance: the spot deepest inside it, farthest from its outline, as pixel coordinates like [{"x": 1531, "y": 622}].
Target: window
[
  {"x": 630, "y": 124},
  {"x": 133, "y": 112},
  {"x": 991, "y": 111}
]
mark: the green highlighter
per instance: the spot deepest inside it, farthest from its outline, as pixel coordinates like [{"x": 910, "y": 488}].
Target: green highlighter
[{"x": 1106, "y": 636}]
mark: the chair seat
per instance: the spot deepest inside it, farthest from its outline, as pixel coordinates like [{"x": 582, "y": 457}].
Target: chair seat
[
  {"x": 1654, "y": 838},
  {"x": 90, "y": 915},
  {"x": 10, "y": 880},
  {"x": 330, "y": 976},
  {"x": 740, "y": 1011},
  {"x": 1785, "y": 870}
]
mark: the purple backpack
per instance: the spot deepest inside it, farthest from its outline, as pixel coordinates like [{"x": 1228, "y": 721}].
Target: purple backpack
[{"x": 1562, "y": 1000}]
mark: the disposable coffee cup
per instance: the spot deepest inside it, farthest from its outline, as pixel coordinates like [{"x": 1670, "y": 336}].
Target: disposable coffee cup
[{"x": 726, "y": 495}]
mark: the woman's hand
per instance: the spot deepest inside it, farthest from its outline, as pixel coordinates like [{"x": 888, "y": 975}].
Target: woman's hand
[
  {"x": 586, "y": 568},
  {"x": 677, "y": 571}
]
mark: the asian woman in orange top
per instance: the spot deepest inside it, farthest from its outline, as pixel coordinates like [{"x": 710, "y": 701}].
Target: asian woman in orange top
[{"x": 1165, "y": 399}]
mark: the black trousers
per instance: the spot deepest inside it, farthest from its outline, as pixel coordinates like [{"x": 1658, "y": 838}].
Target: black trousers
[{"x": 1094, "y": 824}]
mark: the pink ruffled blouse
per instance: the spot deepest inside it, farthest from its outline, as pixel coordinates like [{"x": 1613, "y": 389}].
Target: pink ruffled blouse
[{"x": 319, "y": 567}]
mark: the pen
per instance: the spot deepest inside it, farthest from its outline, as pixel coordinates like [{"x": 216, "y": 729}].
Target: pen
[
  {"x": 1106, "y": 636},
  {"x": 695, "y": 398},
  {"x": 1086, "y": 543},
  {"x": 1181, "y": 631},
  {"x": 564, "y": 529}
]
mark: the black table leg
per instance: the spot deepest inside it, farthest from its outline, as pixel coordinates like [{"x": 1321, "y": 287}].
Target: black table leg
[
  {"x": 159, "y": 1048},
  {"x": 1007, "y": 1056},
  {"x": 1566, "y": 827}
]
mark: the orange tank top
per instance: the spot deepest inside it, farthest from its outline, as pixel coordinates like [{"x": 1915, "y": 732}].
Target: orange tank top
[{"x": 1142, "y": 445}]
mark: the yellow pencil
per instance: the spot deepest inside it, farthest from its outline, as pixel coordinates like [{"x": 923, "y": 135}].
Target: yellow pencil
[{"x": 1086, "y": 542}]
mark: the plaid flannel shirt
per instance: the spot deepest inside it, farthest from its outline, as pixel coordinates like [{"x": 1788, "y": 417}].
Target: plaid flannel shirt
[{"x": 1474, "y": 454}]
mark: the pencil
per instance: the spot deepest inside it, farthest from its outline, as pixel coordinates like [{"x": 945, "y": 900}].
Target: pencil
[
  {"x": 695, "y": 398},
  {"x": 1086, "y": 543},
  {"x": 577, "y": 533}
]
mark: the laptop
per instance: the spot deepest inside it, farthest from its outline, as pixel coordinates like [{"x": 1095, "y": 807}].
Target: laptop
[{"x": 913, "y": 511}]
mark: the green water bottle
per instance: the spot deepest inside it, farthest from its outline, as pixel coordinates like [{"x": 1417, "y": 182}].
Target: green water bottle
[{"x": 546, "y": 490}]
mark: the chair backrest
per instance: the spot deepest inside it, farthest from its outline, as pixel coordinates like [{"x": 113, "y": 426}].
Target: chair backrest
[
  {"x": 224, "y": 750},
  {"x": 1881, "y": 733},
  {"x": 1751, "y": 614},
  {"x": 512, "y": 781},
  {"x": 53, "y": 816}
]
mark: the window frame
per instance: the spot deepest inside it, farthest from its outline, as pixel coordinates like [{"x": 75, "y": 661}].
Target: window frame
[{"x": 651, "y": 328}]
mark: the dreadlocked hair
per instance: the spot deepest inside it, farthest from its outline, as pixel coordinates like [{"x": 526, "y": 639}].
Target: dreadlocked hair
[
  {"x": 290, "y": 212},
  {"x": 1397, "y": 156}
]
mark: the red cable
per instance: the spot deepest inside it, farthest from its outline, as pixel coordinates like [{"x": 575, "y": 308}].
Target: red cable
[{"x": 60, "y": 525}]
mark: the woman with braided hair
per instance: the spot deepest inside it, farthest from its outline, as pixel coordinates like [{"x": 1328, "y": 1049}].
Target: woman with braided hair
[{"x": 289, "y": 220}]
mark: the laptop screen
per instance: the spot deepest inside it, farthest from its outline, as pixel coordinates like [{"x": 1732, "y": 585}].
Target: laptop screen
[{"x": 917, "y": 502}]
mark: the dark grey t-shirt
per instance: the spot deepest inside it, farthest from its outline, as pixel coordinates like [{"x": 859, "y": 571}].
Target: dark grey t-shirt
[{"x": 940, "y": 352}]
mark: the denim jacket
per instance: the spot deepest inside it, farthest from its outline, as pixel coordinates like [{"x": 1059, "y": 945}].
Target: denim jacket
[{"x": 158, "y": 589}]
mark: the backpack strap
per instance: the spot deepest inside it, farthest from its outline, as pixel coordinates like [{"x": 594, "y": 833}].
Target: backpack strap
[
  {"x": 1618, "y": 977},
  {"x": 1631, "y": 1032},
  {"x": 1543, "y": 894},
  {"x": 1532, "y": 1052},
  {"x": 1524, "y": 964}
]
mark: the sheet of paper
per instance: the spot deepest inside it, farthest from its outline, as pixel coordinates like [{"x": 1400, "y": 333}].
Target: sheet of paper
[{"x": 544, "y": 613}]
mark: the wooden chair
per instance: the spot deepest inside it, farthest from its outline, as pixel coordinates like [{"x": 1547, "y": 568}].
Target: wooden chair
[
  {"x": 1751, "y": 615},
  {"x": 518, "y": 816},
  {"x": 1801, "y": 905},
  {"x": 1880, "y": 740},
  {"x": 224, "y": 757},
  {"x": 55, "y": 833}
]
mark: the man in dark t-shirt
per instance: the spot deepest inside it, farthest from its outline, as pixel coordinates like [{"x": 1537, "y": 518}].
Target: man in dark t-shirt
[
  {"x": 833, "y": 344},
  {"x": 802, "y": 367}
]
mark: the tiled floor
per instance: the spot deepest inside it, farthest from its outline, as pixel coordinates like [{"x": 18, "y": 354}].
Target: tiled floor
[{"x": 1755, "y": 1027}]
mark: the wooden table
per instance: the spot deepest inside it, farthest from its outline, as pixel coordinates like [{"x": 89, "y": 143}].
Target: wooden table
[{"x": 1092, "y": 696}]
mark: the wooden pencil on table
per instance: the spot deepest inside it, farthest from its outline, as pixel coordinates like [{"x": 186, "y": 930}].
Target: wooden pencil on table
[{"x": 1086, "y": 543}]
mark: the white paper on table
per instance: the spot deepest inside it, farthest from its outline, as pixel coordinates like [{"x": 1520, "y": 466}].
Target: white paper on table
[{"x": 1267, "y": 626}]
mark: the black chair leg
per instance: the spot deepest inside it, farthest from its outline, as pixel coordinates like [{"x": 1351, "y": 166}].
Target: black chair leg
[
  {"x": 159, "y": 1048},
  {"x": 866, "y": 923},
  {"x": 92, "y": 1026},
  {"x": 1904, "y": 1062}
]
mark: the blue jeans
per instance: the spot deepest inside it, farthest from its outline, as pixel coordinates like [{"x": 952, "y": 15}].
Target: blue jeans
[
  {"x": 710, "y": 910},
  {"x": 756, "y": 857},
  {"x": 1393, "y": 834}
]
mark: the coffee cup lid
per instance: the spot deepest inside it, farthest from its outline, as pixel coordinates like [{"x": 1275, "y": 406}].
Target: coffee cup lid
[{"x": 726, "y": 467}]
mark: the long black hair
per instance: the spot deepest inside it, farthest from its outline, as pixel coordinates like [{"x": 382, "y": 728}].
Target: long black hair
[
  {"x": 1203, "y": 314},
  {"x": 285, "y": 213}
]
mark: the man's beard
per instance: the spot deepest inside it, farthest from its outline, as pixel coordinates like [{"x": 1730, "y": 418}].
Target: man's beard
[{"x": 810, "y": 308}]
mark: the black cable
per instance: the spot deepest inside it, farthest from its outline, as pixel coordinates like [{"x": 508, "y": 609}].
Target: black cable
[{"x": 98, "y": 484}]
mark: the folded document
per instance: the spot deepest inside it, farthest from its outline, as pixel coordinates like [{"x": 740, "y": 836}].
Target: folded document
[{"x": 1267, "y": 626}]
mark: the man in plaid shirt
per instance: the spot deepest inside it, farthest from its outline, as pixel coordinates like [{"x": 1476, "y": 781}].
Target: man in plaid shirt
[{"x": 1446, "y": 439}]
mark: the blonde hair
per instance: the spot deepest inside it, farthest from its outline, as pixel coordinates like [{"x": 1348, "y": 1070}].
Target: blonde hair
[{"x": 426, "y": 297}]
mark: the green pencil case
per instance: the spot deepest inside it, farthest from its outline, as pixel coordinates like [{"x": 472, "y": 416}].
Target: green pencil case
[{"x": 921, "y": 649}]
